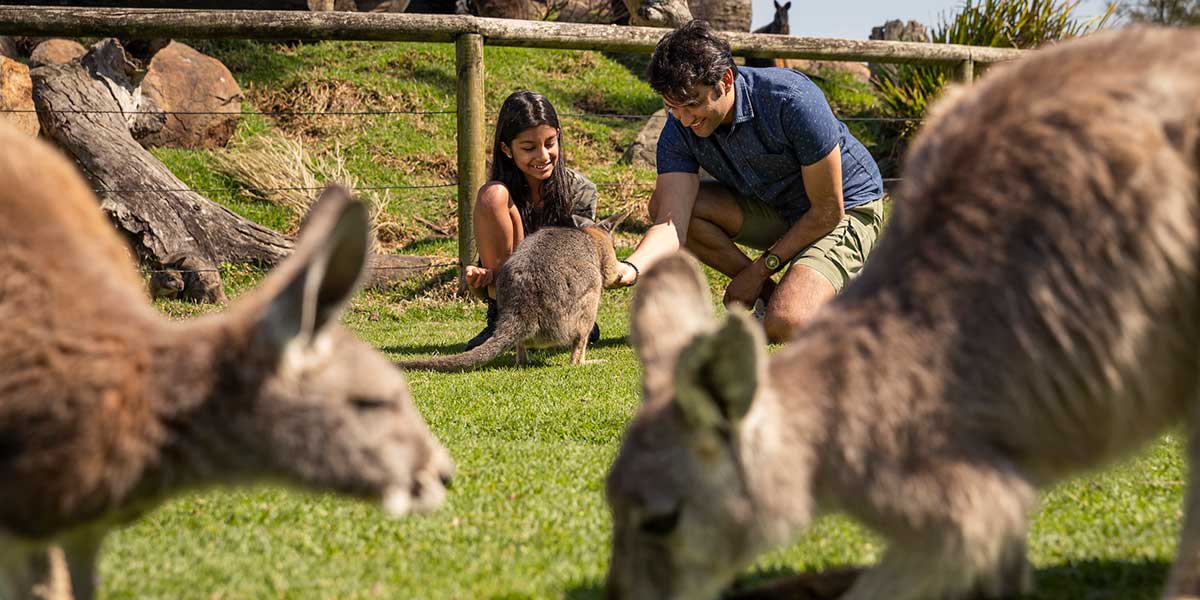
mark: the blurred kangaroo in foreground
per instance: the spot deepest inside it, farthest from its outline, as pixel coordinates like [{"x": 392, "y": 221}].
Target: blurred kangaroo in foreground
[
  {"x": 107, "y": 407},
  {"x": 547, "y": 295},
  {"x": 1032, "y": 311}
]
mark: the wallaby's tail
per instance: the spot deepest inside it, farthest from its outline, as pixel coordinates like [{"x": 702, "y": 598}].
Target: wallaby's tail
[{"x": 508, "y": 332}]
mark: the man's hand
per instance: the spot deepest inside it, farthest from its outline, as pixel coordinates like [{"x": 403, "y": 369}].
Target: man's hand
[
  {"x": 749, "y": 285},
  {"x": 479, "y": 277}
]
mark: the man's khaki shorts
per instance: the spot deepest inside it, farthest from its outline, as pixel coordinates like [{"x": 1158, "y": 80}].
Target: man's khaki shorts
[{"x": 838, "y": 255}]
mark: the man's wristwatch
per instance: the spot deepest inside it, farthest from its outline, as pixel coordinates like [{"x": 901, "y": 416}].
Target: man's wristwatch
[{"x": 772, "y": 262}]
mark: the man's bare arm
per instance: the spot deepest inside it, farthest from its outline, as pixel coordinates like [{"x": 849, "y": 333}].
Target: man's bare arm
[
  {"x": 671, "y": 208},
  {"x": 823, "y": 184}
]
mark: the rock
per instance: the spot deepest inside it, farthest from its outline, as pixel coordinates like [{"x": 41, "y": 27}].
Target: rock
[
  {"x": 509, "y": 9},
  {"x": 723, "y": 15},
  {"x": 16, "y": 93},
  {"x": 181, "y": 79},
  {"x": 392, "y": 6},
  {"x": 658, "y": 13},
  {"x": 642, "y": 150},
  {"x": 8, "y": 48},
  {"x": 898, "y": 31},
  {"x": 56, "y": 52},
  {"x": 332, "y": 5}
]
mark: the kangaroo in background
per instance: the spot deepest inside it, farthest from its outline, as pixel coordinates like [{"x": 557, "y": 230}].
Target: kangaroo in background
[
  {"x": 107, "y": 407},
  {"x": 547, "y": 295},
  {"x": 778, "y": 26},
  {"x": 1033, "y": 310}
]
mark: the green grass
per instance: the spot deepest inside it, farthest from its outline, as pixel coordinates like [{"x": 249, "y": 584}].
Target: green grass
[{"x": 526, "y": 517}]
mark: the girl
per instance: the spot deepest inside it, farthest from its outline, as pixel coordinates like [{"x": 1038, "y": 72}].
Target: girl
[{"x": 530, "y": 188}]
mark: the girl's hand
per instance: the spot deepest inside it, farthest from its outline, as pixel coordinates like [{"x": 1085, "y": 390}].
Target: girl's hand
[{"x": 479, "y": 277}]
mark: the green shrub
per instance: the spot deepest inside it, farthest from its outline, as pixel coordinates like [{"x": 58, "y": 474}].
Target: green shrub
[{"x": 906, "y": 91}]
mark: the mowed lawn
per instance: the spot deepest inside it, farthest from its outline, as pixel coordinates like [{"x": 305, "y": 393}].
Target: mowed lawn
[{"x": 526, "y": 517}]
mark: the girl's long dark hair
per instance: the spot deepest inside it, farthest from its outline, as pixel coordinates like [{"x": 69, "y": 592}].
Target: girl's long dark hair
[{"x": 520, "y": 111}]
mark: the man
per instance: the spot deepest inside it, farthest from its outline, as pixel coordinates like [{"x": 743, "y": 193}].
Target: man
[{"x": 790, "y": 180}]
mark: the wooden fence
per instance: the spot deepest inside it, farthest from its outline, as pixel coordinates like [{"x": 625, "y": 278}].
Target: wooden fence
[{"x": 469, "y": 35}]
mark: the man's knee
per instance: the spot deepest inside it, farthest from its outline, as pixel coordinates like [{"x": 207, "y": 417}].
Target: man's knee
[{"x": 780, "y": 325}]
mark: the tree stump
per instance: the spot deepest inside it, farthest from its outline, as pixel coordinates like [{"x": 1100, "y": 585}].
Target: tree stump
[{"x": 88, "y": 108}]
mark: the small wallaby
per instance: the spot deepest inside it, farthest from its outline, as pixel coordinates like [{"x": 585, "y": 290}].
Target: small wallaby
[
  {"x": 547, "y": 294},
  {"x": 107, "y": 407},
  {"x": 1032, "y": 310}
]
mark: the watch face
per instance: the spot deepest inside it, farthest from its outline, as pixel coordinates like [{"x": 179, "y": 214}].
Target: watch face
[{"x": 772, "y": 262}]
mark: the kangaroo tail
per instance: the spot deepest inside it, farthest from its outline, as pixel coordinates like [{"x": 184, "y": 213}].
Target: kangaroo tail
[{"x": 508, "y": 333}]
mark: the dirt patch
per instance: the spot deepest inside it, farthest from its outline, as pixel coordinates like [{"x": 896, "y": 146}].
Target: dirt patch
[{"x": 317, "y": 107}]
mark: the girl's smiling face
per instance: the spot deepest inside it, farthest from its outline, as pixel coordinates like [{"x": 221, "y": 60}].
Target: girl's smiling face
[{"x": 535, "y": 152}]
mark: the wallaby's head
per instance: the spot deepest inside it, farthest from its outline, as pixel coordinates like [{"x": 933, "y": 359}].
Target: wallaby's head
[
  {"x": 779, "y": 24},
  {"x": 608, "y": 226},
  {"x": 684, "y": 517},
  {"x": 324, "y": 408}
]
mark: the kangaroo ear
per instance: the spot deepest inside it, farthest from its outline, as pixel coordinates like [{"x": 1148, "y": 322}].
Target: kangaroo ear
[
  {"x": 787, "y": 6},
  {"x": 718, "y": 374},
  {"x": 308, "y": 290},
  {"x": 671, "y": 305},
  {"x": 610, "y": 224},
  {"x": 581, "y": 222}
]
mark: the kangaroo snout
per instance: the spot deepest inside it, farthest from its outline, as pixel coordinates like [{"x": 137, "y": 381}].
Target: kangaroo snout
[{"x": 426, "y": 492}]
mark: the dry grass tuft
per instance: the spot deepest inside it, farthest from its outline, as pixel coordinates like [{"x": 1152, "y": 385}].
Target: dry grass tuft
[{"x": 279, "y": 170}]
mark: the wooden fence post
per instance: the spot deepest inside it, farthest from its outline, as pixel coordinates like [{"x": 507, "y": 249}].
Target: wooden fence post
[
  {"x": 468, "y": 59},
  {"x": 966, "y": 72}
]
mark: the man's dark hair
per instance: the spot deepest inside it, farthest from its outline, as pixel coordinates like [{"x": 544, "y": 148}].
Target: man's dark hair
[{"x": 689, "y": 56}]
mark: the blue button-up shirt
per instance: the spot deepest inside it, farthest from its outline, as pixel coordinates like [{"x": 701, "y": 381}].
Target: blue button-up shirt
[{"x": 781, "y": 122}]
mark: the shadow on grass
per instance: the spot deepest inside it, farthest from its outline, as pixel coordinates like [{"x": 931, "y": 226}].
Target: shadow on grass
[
  {"x": 1091, "y": 579},
  {"x": 429, "y": 350}
]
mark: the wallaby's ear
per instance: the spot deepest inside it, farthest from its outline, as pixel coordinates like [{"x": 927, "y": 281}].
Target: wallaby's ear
[
  {"x": 581, "y": 222},
  {"x": 309, "y": 289},
  {"x": 787, "y": 5},
  {"x": 671, "y": 305},
  {"x": 717, "y": 375},
  {"x": 610, "y": 224}
]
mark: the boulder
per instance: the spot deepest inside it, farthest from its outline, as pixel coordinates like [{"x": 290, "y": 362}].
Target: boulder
[
  {"x": 723, "y": 15},
  {"x": 896, "y": 31},
  {"x": 643, "y": 149},
  {"x": 392, "y": 6},
  {"x": 8, "y": 48},
  {"x": 899, "y": 31},
  {"x": 181, "y": 79},
  {"x": 56, "y": 52},
  {"x": 16, "y": 93}
]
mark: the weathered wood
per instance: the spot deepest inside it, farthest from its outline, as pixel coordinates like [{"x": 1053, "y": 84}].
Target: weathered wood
[
  {"x": 148, "y": 23},
  {"x": 80, "y": 106},
  {"x": 468, "y": 58},
  {"x": 966, "y": 72}
]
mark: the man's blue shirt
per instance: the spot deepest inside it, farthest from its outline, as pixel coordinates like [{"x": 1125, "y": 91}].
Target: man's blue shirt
[{"x": 781, "y": 122}]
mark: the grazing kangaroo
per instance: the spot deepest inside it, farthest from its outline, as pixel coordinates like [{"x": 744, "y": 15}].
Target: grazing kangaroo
[
  {"x": 107, "y": 407},
  {"x": 547, "y": 295},
  {"x": 1033, "y": 310}
]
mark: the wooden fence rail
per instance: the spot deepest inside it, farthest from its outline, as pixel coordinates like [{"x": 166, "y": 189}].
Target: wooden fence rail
[{"x": 469, "y": 35}]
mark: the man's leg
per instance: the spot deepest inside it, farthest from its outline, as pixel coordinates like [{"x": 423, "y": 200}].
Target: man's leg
[
  {"x": 821, "y": 270},
  {"x": 796, "y": 299},
  {"x": 716, "y": 219}
]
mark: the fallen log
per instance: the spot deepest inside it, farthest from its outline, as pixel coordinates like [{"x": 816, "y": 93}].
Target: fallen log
[{"x": 89, "y": 108}]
